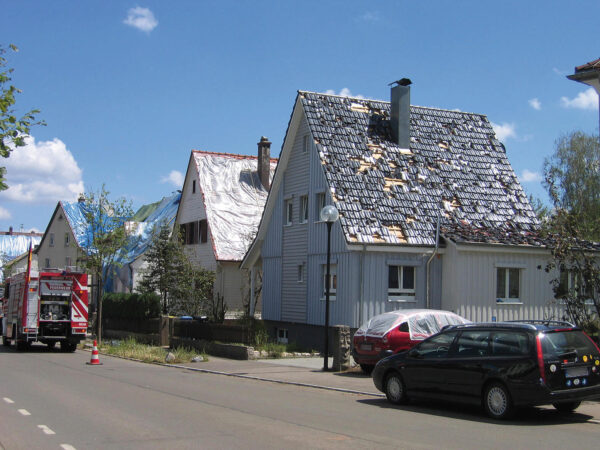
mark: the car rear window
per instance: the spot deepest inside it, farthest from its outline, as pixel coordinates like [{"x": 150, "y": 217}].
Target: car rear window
[{"x": 557, "y": 344}]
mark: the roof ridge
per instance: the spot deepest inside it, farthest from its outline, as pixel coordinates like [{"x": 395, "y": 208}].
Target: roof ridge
[
  {"x": 229, "y": 155},
  {"x": 387, "y": 101}
]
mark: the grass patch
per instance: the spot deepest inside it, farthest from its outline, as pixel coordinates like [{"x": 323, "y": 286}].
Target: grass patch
[{"x": 130, "y": 348}]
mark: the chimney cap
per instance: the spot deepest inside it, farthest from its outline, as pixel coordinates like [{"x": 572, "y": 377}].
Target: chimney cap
[
  {"x": 264, "y": 139},
  {"x": 402, "y": 82}
]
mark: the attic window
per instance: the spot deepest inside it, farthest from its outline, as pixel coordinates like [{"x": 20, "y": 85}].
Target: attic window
[
  {"x": 193, "y": 186},
  {"x": 203, "y": 230},
  {"x": 305, "y": 143}
]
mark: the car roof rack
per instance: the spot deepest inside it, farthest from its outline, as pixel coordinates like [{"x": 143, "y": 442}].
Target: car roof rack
[{"x": 556, "y": 323}]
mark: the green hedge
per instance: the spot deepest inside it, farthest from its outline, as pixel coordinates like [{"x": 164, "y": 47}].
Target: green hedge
[{"x": 131, "y": 306}]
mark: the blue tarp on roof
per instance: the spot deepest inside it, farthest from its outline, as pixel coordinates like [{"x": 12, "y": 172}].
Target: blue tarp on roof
[
  {"x": 13, "y": 245},
  {"x": 164, "y": 214},
  {"x": 75, "y": 212},
  {"x": 143, "y": 232}
]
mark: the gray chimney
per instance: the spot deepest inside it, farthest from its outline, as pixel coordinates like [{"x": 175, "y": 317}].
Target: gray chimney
[
  {"x": 264, "y": 161},
  {"x": 400, "y": 112}
]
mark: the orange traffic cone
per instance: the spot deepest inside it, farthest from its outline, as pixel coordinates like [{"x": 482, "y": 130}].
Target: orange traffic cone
[{"x": 95, "y": 361}]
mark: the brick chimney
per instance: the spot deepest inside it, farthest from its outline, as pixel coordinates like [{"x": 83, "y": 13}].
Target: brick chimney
[
  {"x": 400, "y": 112},
  {"x": 10, "y": 231},
  {"x": 264, "y": 161}
]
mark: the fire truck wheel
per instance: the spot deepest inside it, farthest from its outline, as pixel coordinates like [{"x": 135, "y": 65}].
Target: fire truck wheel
[
  {"x": 51, "y": 344},
  {"x": 5, "y": 341},
  {"x": 68, "y": 347}
]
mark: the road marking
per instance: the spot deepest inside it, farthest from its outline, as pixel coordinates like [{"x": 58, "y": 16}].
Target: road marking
[
  {"x": 8, "y": 400},
  {"x": 67, "y": 447},
  {"x": 45, "y": 429},
  {"x": 24, "y": 412}
]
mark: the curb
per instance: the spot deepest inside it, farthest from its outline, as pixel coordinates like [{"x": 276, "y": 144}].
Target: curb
[{"x": 251, "y": 377}]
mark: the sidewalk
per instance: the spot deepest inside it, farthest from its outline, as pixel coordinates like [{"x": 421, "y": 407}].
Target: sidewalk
[{"x": 299, "y": 371}]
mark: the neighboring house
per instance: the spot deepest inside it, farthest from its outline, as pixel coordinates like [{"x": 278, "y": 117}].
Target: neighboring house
[
  {"x": 130, "y": 267},
  {"x": 14, "y": 246},
  {"x": 222, "y": 201},
  {"x": 397, "y": 174},
  {"x": 62, "y": 245},
  {"x": 588, "y": 73}
]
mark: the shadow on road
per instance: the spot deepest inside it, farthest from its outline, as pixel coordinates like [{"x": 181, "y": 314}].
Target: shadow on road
[
  {"x": 530, "y": 416},
  {"x": 35, "y": 348}
]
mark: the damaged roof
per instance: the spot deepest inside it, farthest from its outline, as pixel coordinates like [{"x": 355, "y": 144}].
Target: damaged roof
[
  {"x": 234, "y": 199},
  {"x": 389, "y": 195}
]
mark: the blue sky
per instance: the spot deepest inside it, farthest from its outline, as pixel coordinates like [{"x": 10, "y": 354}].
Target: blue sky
[{"x": 129, "y": 89}]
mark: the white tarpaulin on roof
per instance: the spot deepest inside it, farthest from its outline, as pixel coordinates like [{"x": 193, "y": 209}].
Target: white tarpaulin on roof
[{"x": 234, "y": 199}]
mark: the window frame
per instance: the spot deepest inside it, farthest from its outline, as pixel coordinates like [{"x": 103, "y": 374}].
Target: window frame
[
  {"x": 507, "y": 299},
  {"x": 304, "y": 209},
  {"x": 333, "y": 282},
  {"x": 67, "y": 239},
  {"x": 573, "y": 279},
  {"x": 320, "y": 202},
  {"x": 203, "y": 231},
  {"x": 51, "y": 243},
  {"x": 288, "y": 212},
  {"x": 401, "y": 294}
]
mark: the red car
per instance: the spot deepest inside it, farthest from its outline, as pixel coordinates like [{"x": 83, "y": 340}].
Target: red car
[{"x": 396, "y": 331}]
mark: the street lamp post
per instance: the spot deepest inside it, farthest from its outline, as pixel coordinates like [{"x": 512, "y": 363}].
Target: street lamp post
[{"x": 329, "y": 214}]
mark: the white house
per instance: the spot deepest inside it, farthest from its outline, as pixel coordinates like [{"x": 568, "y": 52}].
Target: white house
[
  {"x": 221, "y": 205},
  {"x": 431, "y": 215}
]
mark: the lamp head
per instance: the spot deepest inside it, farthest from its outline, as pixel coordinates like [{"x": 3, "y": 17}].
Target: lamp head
[{"x": 329, "y": 214}]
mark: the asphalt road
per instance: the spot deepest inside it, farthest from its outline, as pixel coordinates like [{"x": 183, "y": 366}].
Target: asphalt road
[{"x": 50, "y": 400}]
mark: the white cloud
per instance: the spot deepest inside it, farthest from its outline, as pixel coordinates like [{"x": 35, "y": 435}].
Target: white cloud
[
  {"x": 587, "y": 99},
  {"x": 371, "y": 16},
  {"x": 141, "y": 18},
  {"x": 42, "y": 172},
  {"x": 535, "y": 104},
  {"x": 4, "y": 214},
  {"x": 175, "y": 178},
  {"x": 504, "y": 131},
  {"x": 527, "y": 176},
  {"x": 345, "y": 92}
]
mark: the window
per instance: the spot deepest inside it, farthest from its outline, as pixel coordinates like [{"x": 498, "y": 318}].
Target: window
[
  {"x": 193, "y": 186},
  {"x": 472, "y": 344},
  {"x": 288, "y": 211},
  {"x": 332, "y": 280},
  {"x": 67, "y": 239},
  {"x": 203, "y": 231},
  {"x": 303, "y": 208},
  {"x": 68, "y": 261},
  {"x": 508, "y": 285},
  {"x": 305, "y": 143},
  {"x": 573, "y": 284},
  {"x": 189, "y": 233},
  {"x": 320, "y": 204},
  {"x": 301, "y": 273},
  {"x": 51, "y": 240},
  {"x": 508, "y": 343},
  {"x": 282, "y": 335},
  {"x": 401, "y": 283},
  {"x": 434, "y": 348},
  {"x": 47, "y": 263}
]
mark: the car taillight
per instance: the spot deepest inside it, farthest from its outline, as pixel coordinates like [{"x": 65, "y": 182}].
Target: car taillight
[
  {"x": 540, "y": 357},
  {"x": 595, "y": 345}
]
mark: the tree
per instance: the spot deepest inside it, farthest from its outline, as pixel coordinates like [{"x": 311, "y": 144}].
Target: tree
[
  {"x": 106, "y": 237},
  {"x": 13, "y": 130},
  {"x": 572, "y": 178},
  {"x": 183, "y": 288}
]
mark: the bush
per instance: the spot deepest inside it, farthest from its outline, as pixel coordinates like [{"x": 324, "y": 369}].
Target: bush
[{"x": 131, "y": 306}]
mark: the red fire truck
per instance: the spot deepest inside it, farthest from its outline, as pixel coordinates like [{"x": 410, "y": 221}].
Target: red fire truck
[{"x": 46, "y": 307}]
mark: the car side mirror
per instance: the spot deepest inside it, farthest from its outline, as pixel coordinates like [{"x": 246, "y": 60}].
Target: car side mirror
[{"x": 414, "y": 353}]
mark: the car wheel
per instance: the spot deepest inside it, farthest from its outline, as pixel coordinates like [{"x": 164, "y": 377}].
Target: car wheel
[
  {"x": 496, "y": 401},
  {"x": 394, "y": 389},
  {"x": 367, "y": 368},
  {"x": 566, "y": 407}
]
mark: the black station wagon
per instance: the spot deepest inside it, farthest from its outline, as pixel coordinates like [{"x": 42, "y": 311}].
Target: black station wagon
[{"x": 500, "y": 365}]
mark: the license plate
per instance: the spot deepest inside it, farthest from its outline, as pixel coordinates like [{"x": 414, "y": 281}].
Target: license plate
[
  {"x": 366, "y": 347},
  {"x": 574, "y": 372}
]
